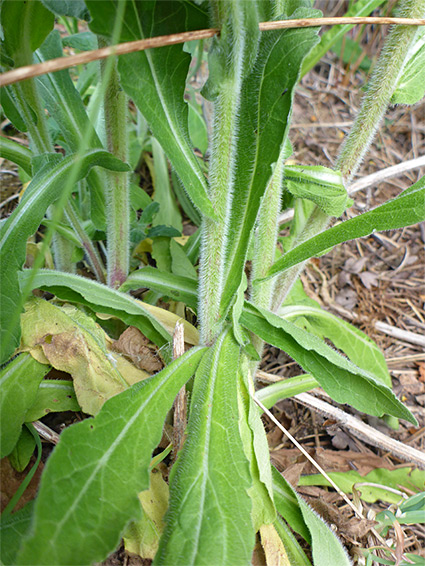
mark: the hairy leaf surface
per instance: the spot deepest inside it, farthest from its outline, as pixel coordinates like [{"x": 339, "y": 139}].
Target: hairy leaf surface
[
  {"x": 360, "y": 349},
  {"x": 209, "y": 521},
  {"x": 98, "y": 468},
  {"x": 321, "y": 185},
  {"x": 326, "y": 547},
  {"x": 345, "y": 382},
  {"x": 265, "y": 111}
]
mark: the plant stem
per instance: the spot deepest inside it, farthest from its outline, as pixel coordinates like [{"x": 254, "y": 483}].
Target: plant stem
[
  {"x": 221, "y": 181},
  {"x": 381, "y": 87},
  {"x": 118, "y": 187},
  {"x": 388, "y": 70},
  {"x": 93, "y": 255}
]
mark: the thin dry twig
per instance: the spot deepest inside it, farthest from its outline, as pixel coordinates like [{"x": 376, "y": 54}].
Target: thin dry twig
[
  {"x": 357, "y": 511},
  {"x": 60, "y": 63},
  {"x": 400, "y": 334},
  {"x": 46, "y": 432},
  {"x": 363, "y": 431},
  {"x": 307, "y": 455}
]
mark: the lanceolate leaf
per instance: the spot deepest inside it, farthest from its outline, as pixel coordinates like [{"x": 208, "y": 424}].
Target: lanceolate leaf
[
  {"x": 406, "y": 209},
  {"x": 155, "y": 79},
  {"x": 98, "y": 468},
  {"x": 209, "y": 521},
  {"x": 99, "y": 298},
  {"x": 61, "y": 98},
  {"x": 44, "y": 189},
  {"x": 361, "y": 349},
  {"x": 326, "y": 547},
  {"x": 264, "y": 119},
  {"x": 345, "y": 382},
  {"x": 19, "y": 382},
  {"x": 287, "y": 505}
]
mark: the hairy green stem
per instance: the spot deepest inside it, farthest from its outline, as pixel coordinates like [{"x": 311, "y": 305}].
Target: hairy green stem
[
  {"x": 222, "y": 165},
  {"x": 118, "y": 187},
  {"x": 381, "y": 87}
]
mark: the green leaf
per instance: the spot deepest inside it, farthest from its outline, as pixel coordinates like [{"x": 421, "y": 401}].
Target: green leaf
[
  {"x": 287, "y": 505},
  {"x": 19, "y": 382},
  {"x": 411, "y": 85},
  {"x": 99, "y": 298},
  {"x": 180, "y": 263},
  {"x": 44, "y": 189},
  {"x": 53, "y": 396},
  {"x": 155, "y": 79},
  {"x": 17, "y": 153},
  {"x": 257, "y": 451},
  {"x": 406, "y": 209},
  {"x": 295, "y": 553},
  {"x": 12, "y": 530},
  {"x": 321, "y": 185},
  {"x": 376, "y": 482},
  {"x": 267, "y": 95},
  {"x": 176, "y": 287},
  {"x": 327, "y": 548},
  {"x": 209, "y": 520},
  {"x": 23, "y": 450},
  {"x": 72, "y": 8},
  {"x": 9, "y": 108},
  {"x": 25, "y": 27},
  {"x": 345, "y": 382},
  {"x": 169, "y": 213},
  {"x": 360, "y": 349},
  {"x": 330, "y": 37},
  {"x": 84, "y": 481}
]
